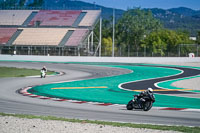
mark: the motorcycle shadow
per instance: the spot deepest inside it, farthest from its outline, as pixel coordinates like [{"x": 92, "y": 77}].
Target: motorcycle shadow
[{"x": 133, "y": 110}]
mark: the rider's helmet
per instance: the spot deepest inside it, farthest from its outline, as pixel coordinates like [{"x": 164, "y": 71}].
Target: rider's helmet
[{"x": 150, "y": 90}]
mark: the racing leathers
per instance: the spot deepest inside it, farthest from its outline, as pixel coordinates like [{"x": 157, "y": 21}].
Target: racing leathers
[{"x": 143, "y": 95}]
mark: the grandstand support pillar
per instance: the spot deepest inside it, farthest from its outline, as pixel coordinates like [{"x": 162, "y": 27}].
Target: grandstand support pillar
[
  {"x": 99, "y": 44},
  {"x": 0, "y": 49},
  {"x": 47, "y": 51},
  {"x": 44, "y": 49},
  {"x": 15, "y": 50},
  {"x": 59, "y": 51},
  {"x": 62, "y": 51},
  {"x": 88, "y": 48},
  {"x": 113, "y": 39},
  {"x": 29, "y": 50},
  {"x": 100, "y": 36},
  {"x": 78, "y": 50},
  {"x": 92, "y": 42},
  {"x": 75, "y": 52}
]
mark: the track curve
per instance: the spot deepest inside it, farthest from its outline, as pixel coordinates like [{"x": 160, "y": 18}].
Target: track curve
[
  {"x": 144, "y": 84},
  {"x": 12, "y": 102}
]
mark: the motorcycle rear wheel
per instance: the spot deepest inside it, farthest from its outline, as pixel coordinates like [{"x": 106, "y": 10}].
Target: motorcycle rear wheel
[{"x": 129, "y": 106}]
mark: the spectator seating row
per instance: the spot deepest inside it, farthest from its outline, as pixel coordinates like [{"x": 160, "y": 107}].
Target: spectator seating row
[
  {"x": 40, "y": 36},
  {"x": 6, "y": 34},
  {"x": 55, "y": 17},
  {"x": 76, "y": 37},
  {"x": 14, "y": 17},
  {"x": 48, "y": 17},
  {"x": 90, "y": 17}
]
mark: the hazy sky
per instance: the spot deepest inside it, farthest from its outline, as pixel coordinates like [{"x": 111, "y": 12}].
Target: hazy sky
[{"x": 165, "y": 4}]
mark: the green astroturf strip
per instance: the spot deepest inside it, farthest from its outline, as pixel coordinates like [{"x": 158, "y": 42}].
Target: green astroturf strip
[
  {"x": 19, "y": 72},
  {"x": 113, "y": 94}
]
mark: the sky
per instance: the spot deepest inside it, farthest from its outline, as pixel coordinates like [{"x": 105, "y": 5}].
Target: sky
[{"x": 164, "y": 4}]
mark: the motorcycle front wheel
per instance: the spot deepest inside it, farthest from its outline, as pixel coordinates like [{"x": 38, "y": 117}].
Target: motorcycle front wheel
[{"x": 147, "y": 105}]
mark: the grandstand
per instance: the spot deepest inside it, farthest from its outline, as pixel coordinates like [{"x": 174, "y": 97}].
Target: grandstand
[{"x": 44, "y": 32}]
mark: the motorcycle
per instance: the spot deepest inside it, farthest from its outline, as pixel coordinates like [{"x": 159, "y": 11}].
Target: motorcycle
[
  {"x": 42, "y": 74},
  {"x": 145, "y": 103}
]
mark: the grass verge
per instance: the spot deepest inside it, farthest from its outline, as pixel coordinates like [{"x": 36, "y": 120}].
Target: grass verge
[
  {"x": 19, "y": 72},
  {"x": 115, "y": 124}
]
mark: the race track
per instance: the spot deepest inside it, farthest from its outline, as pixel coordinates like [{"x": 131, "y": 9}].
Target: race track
[{"x": 13, "y": 102}]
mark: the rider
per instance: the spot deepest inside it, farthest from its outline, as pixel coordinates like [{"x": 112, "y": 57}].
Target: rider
[
  {"x": 148, "y": 93},
  {"x": 44, "y": 69}
]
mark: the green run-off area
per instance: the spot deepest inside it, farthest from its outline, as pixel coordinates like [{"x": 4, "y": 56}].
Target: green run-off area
[
  {"x": 107, "y": 89},
  {"x": 19, "y": 72}
]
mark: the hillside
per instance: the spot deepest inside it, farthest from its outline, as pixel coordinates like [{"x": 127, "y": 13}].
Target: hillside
[{"x": 179, "y": 18}]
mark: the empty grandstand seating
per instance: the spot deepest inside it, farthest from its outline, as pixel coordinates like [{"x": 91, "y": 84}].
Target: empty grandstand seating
[
  {"x": 6, "y": 34},
  {"x": 40, "y": 36},
  {"x": 48, "y": 17},
  {"x": 55, "y": 18},
  {"x": 77, "y": 37},
  {"x": 35, "y": 31},
  {"x": 14, "y": 17},
  {"x": 90, "y": 17}
]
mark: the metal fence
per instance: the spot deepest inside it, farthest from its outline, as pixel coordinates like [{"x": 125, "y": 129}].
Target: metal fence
[{"x": 182, "y": 50}]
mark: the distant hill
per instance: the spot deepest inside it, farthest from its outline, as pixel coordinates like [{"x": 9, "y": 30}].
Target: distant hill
[
  {"x": 184, "y": 11},
  {"x": 179, "y": 18}
]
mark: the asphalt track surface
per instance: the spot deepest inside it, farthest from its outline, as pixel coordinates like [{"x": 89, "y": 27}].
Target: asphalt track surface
[{"x": 12, "y": 102}]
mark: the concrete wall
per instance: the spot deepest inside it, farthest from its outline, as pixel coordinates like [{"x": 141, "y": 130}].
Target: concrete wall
[{"x": 101, "y": 59}]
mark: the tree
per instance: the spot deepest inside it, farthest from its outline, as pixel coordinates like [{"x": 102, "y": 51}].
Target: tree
[
  {"x": 155, "y": 43},
  {"x": 21, "y": 3},
  {"x": 8, "y": 3},
  {"x": 198, "y": 37},
  {"x": 133, "y": 26},
  {"x": 107, "y": 46},
  {"x": 165, "y": 41},
  {"x": 36, "y": 3}
]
